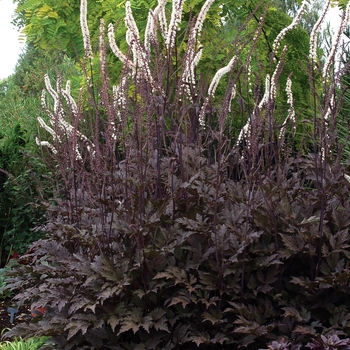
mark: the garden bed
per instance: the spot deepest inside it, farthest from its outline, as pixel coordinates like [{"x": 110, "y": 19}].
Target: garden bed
[{"x": 23, "y": 315}]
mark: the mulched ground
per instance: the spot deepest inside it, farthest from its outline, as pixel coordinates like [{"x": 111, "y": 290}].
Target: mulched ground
[{"x": 23, "y": 315}]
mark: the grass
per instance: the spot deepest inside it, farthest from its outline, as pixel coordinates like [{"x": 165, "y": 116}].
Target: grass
[{"x": 22, "y": 344}]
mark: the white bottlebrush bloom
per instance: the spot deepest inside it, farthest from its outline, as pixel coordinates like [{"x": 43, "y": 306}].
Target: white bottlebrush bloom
[
  {"x": 130, "y": 21},
  {"x": 267, "y": 94},
  {"x": 175, "y": 20},
  {"x": 119, "y": 99},
  {"x": 212, "y": 87},
  {"x": 130, "y": 40},
  {"x": 291, "y": 111},
  {"x": 112, "y": 131},
  {"x": 49, "y": 88},
  {"x": 141, "y": 59},
  {"x": 188, "y": 74},
  {"x": 336, "y": 40},
  {"x": 70, "y": 100},
  {"x": 289, "y": 92},
  {"x": 44, "y": 105},
  {"x": 115, "y": 49},
  {"x": 315, "y": 29},
  {"x": 157, "y": 13},
  {"x": 132, "y": 34},
  {"x": 160, "y": 13},
  {"x": 46, "y": 144},
  {"x": 232, "y": 96},
  {"x": 196, "y": 31},
  {"x": 193, "y": 64},
  {"x": 68, "y": 87},
  {"x": 273, "y": 85},
  {"x": 275, "y": 75},
  {"x": 150, "y": 33},
  {"x": 102, "y": 49},
  {"x": 244, "y": 134},
  {"x": 57, "y": 103},
  {"x": 196, "y": 59},
  {"x": 57, "y": 119},
  {"x": 48, "y": 129},
  {"x": 201, "y": 115},
  {"x": 329, "y": 109},
  {"x": 193, "y": 54},
  {"x": 219, "y": 74},
  {"x": 249, "y": 76},
  {"x": 85, "y": 28},
  {"x": 294, "y": 23}
]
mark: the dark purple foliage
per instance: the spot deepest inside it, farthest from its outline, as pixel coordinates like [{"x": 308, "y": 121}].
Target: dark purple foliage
[{"x": 329, "y": 343}]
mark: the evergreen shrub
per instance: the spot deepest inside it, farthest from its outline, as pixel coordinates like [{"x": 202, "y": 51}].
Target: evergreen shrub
[{"x": 20, "y": 205}]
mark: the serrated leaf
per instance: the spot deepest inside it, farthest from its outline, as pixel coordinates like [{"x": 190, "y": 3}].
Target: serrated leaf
[
  {"x": 304, "y": 282},
  {"x": 273, "y": 259},
  {"x": 165, "y": 275},
  {"x": 74, "y": 327},
  {"x": 129, "y": 325},
  {"x": 161, "y": 324},
  {"x": 292, "y": 312},
  {"x": 157, "y": 313},
  {"x": 132, "y": 321},
  {"x": 78, "y": 303},
  {"x": 219, "y": 338},
  {"x": 113, "y": 321},
  {"x": 311, "y": 220},
  {"x": 213, "y": 317},
  {"x": 91, "y": 307},
  {"x": 147, "y": 323},
  {"x": 183, "y": 300},
  {"x": 200, "y": 338},
  {"x": 207, "y": 280},
  {"x": 294, "y": 243},
  {"x": 109, "y": 290},
  {"x": 243, "y": 329},
  {"x": 104, "y": 267},
  {"x": 139, "y": 293},
  {"x": 305, "y": 330}
]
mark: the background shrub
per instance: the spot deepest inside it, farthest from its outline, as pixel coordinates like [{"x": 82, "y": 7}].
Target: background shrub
[
  {"x": 23, "y": 175},
  {"x": 20, "y": 203}
]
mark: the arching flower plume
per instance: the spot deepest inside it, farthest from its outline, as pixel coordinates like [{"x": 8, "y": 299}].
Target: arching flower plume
[
  {"x": 159, "y": 12},
  {"x": 213, "y": 85},
  {"x": 85, "y": 28},
  {"x": 57, "y": 119},
  {"x": 336, "y": 41},
  {"x": 315, "y": 29},
  {"x": 291, "y": 110},
  {"x": 294, "y": 23},
  {"x": 175, "y": 20}
]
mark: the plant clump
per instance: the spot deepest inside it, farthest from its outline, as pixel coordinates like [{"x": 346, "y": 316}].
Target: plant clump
[{"x": 165, "y": 232}]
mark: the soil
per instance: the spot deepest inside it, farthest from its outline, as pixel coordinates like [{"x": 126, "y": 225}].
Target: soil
[{"x": 23, "y": 315}]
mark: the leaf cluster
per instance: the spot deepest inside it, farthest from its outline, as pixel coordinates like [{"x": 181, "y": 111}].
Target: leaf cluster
[{"x": 208, "y": 263}]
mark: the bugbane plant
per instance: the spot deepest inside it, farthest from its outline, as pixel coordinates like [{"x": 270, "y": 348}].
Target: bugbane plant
[{"x": 166, "y": 232}]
